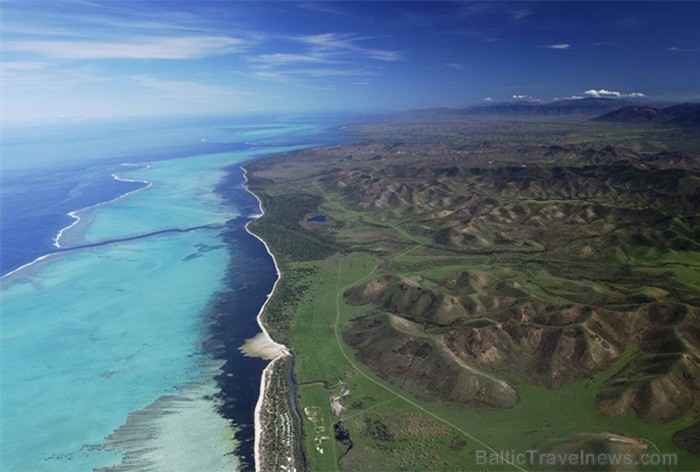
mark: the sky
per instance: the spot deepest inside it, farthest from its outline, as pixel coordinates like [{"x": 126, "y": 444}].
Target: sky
[{"x": 132, "y": 58}]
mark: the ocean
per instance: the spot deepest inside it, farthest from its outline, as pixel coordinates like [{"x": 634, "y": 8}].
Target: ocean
[{"x": 129, "y": 284}]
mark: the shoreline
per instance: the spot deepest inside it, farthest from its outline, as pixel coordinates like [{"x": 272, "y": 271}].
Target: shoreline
[
  {"x": 284, "y": 351},
  {"x": 127, "y": 394}
]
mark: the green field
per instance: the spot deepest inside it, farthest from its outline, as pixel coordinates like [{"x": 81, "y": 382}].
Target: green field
[
  {"x": 534, "y": 419},
  {"x": 579, "y": 253}
]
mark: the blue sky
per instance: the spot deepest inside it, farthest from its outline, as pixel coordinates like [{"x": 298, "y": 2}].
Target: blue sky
[{"x": 132, "y": 58}]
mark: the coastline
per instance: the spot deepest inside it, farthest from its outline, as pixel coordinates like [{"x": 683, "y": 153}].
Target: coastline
[
  {"x": 269, "y": 370},
  {"x": 240, "y": 404},
  {"x": 101, "y": 336},
  {"x": 284, "y": 351}
]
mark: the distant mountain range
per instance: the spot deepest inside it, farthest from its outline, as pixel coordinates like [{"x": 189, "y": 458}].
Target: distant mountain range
[
  {"x": 583, "y": 106},
  {"x": 609, "y": 110},
  {"x": 686, "y": 115}
]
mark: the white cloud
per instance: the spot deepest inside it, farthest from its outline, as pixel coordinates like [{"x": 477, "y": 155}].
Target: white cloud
[
  {"x": 557, "y": 46},
  {"x": 382, "y": 55},
  {"x": 521, "y": 97},
  {"x": 21, "y": 73},
  {"x": 676, "y": 48},
  {"x": 321, "y": 7},
  {"x": 301, "y": 76},
  {"x": 322, "y": 55},
  {"x": 519, "y": 14},
  {"x": 287, "y": 58},
  {"x": 336, "y": 43},
  {"x": 488, "y": 99},
  {"x": 36, "y": 75},
  {"x": 182, "y": 47},
  {"x": 514, "y": 14},
  {"x": 88, "y": 18},
  {"x": 572, "y": 97},
  {"x": 21, "y": 65},
  {"x": 336, "y": 72},
  {"x": 602, "y": 93},
  {"x": 186, "y": 90}
]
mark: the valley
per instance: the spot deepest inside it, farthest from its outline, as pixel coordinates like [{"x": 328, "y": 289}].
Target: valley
[{"x": 489, "y": 284}]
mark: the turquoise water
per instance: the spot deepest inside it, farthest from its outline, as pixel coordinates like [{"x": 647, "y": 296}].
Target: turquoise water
[
  {"x": 182, "y": 196},
  {"x": 92, "y": 335},
  {"x": 111, "y": 330}
]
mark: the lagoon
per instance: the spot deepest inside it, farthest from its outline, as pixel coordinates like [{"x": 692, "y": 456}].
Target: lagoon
[{"x": 123, "y": 346}]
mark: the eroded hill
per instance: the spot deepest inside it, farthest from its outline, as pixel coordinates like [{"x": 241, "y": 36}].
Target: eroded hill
[{"x": 538, "y": 264}]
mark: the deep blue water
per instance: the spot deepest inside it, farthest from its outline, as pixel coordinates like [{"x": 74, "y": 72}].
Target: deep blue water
[
  {"x": 117, "y": 322},
  {"x": 34, "y": 206},
  {"x": 50, "y": 170},
  {"x": 317, "y": 219}
]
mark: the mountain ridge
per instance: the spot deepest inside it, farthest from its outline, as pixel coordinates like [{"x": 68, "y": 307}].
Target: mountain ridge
[{"x": 685, "y": 115}]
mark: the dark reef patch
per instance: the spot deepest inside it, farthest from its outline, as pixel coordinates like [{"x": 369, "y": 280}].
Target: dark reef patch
[{"x": 250, "y": 277}]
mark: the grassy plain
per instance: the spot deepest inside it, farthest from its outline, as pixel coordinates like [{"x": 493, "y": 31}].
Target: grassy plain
[{"x": 556, "y": 257}]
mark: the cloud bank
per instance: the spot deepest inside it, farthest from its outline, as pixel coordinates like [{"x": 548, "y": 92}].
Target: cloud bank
[
  {"x": 603, "y": 93},
  {"x": 179, "y": 47}
]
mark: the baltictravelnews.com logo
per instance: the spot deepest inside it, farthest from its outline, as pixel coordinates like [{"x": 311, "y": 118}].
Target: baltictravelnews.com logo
[{"x": 533, "y": 458}]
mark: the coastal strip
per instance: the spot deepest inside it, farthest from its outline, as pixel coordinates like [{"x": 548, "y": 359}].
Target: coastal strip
[{"x": 266, "y": 460}]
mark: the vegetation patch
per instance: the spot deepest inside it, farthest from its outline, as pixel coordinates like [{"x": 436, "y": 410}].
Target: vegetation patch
[{"x": 474, "y": 276}]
